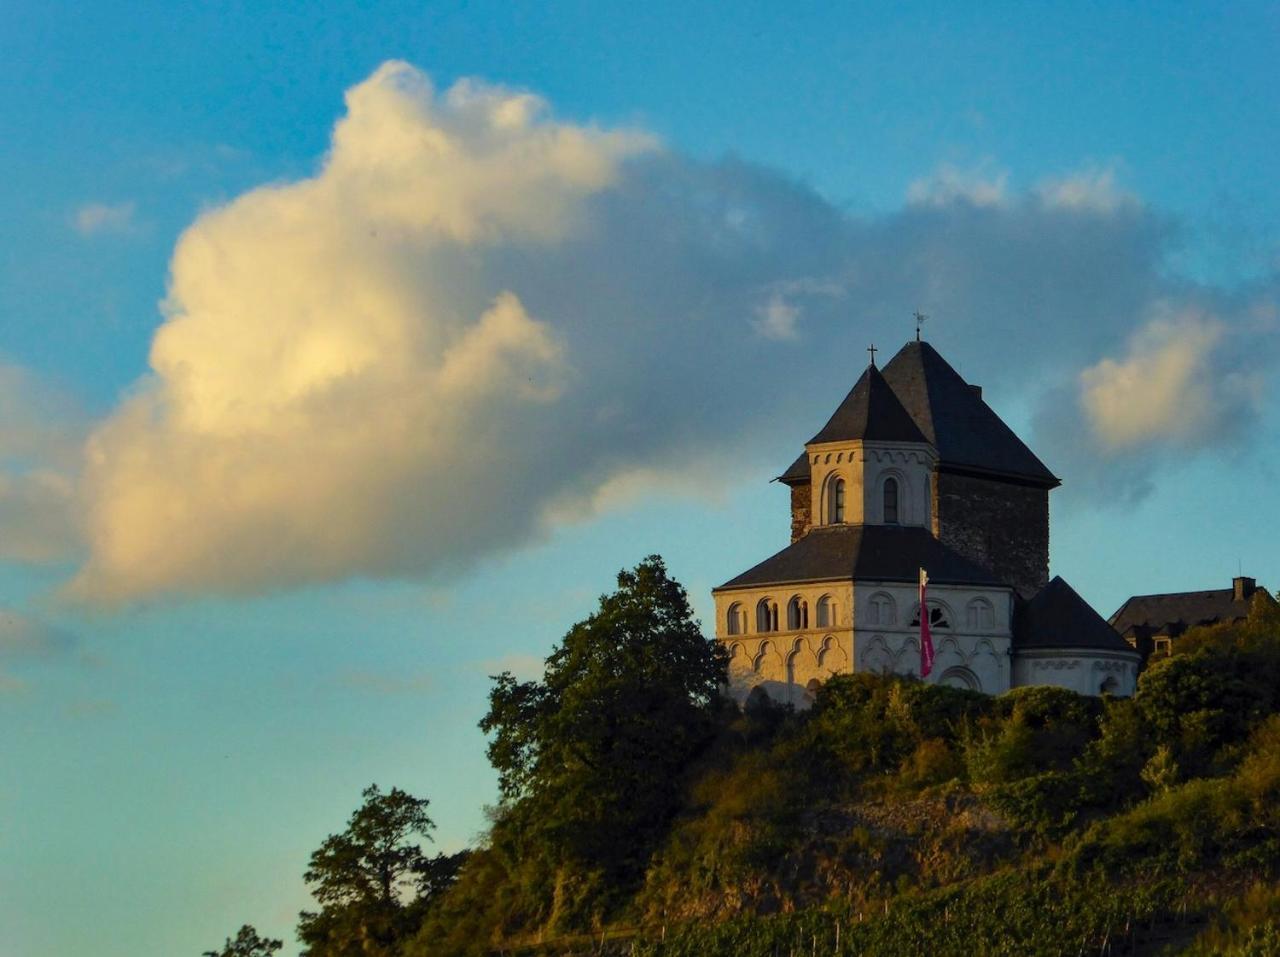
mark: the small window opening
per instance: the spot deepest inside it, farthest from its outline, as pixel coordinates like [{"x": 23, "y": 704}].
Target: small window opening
[
  {"x": 836, "y": 516},
  {"x": 891, "y": 501}
]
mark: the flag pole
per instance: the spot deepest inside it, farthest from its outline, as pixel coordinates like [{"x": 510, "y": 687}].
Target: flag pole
[{"x": 926, "y": 639}]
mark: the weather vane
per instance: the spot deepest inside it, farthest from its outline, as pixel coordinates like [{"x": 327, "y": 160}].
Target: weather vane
[
  {"x": 873, "y": 350},
  {"x": 920, "y": 318}
]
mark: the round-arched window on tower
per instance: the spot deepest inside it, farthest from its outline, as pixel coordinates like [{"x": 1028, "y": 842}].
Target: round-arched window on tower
[
  {"x": 891, "y": 501},
  {"x": 835, "y": 502}
]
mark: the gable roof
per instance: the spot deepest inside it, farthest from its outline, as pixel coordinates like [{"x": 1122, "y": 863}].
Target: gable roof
[
  {"x": 1172, "y": 614},
  {"x": 871, "y": 552},
  {"x": 869, "y": 412},
  {"x": 951, "y": 414},
  {"x": 1057, "y": 617}
]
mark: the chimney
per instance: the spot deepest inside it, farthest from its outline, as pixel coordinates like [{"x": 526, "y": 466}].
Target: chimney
[
  {"x": 1243, "y": 588},
  {"x": 977, "y": 390}
]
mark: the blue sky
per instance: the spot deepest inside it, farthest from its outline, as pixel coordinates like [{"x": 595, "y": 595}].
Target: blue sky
[{"x": 249, "y": 571}]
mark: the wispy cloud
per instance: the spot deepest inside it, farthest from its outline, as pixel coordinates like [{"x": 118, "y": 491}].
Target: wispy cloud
[
  {"x": 25, "y": 641},
  {"x": 42, "y": 431},
  {"x": 949, "y": 185},
  {"x": 1093, "y": 190},
  {"x": 381, "y": 683},
  {"x": 96, "y": 219},
  {"x": 777, "y": 318}
]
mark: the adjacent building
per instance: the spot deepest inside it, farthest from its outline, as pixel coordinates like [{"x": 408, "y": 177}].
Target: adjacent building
[{"x": 1152, "y": 623}]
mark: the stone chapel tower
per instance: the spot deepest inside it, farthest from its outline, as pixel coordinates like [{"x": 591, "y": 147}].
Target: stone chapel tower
[
  {"x": 915, "y": 471},
  {"x": 989, "y": 493}
]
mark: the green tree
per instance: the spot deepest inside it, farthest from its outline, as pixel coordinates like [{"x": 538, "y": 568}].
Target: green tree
[
  {"x": 373, "y": 881},
  {"x": 591, "y": 758},
  {"x": 246, "y": 944}
]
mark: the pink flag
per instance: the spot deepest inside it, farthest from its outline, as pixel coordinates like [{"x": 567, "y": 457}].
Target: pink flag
[{"x": 926, "y": 639}]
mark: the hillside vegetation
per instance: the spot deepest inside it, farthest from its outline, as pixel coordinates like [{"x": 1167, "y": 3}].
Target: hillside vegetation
[{"x": 641, "y": 814}]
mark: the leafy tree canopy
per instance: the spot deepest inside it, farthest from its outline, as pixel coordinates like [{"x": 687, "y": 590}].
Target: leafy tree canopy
[
  {"x": 373, "y": 880},
  {"x": 599, "y": 745},
  {"x": 246, "y": 944}
]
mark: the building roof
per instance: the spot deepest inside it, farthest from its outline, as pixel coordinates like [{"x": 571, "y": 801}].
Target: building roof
[
  {"x": 1057, "y": 617},
  {"x": 1174, "y": 613},
  {"x": 797, "y": 472},
  {"x": 943, "y": 410},
  {"x": 966, "y": 432},
  {"x": 870, "y": 552},
  {"x": 870, "y": 412}
]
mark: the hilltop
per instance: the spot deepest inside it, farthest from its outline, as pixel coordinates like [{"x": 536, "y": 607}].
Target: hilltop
[{"x": 644, "y": 814}]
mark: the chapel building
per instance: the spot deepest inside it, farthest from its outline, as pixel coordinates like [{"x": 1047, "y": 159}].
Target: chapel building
[{"x": 914, "y": 470}]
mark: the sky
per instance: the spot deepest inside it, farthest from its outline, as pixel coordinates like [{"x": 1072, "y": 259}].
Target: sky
[{"x": 347, "y": 352}]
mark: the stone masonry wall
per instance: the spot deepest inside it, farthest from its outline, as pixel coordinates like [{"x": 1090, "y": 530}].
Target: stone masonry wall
[
  {"x": 1003, "y": 526},
  {"x": 801, "y": 510}
]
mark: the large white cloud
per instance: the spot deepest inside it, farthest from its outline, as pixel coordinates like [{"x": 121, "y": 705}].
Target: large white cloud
[{"x": 477, "y": 320}]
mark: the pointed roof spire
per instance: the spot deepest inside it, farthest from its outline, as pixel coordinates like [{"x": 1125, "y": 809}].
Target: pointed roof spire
[
  {"x": 951, "y": 414},
  {"x": 870, "y": 411}
]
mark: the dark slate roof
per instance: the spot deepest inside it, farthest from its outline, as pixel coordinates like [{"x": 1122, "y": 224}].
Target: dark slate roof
[
  {"x": 1057, "y": 617},
  {"x": 952, "y": 415},
  {"x": 797, "y": 472},
  {"x": 873, "y": 552},
  {"x": 872, "y": 412},
  {"x": 1174, "y": 613}
]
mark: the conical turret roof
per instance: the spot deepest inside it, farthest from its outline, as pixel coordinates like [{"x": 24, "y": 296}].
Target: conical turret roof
[
  {"x": 870, "y": 412},
  {"x": 1057, "y": 617}
]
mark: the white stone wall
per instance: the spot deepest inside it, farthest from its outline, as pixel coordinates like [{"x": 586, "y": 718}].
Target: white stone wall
[
  {"x": 1086, "y": 672},
  {"x": 972, "y": 652},
  {"x": 785, "y": 662},
  {"x": 871, "y": 631}
]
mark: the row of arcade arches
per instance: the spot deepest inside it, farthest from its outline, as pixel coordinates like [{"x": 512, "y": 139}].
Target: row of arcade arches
[
  {"x": 798, "y": 662},
  {"x": 880, "y": 610}
]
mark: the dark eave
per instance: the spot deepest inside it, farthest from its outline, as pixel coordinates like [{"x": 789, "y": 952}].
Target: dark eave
[{"x": 891, "y": 553}]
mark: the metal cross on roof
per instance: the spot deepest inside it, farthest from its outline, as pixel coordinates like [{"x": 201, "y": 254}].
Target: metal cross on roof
[
  {"x": 873, "y": 350},
  {"x": 920, "y": 318}
]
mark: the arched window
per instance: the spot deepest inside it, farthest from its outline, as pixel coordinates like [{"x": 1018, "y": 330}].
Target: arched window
[
  {"x": 980, "y": 614},
  {"x": 736, "y": 620},
  {"x": 891, "y": 501},
  {"x": 767, "y": 615},
  {"x": 881, "y": 610},
  {"x": 960, "y": 677},
  {"x": 797, "y": 614},
  {"x": 1109, "y": 685},
  {"x": 826, "y": 612},
  {"x": 835, "y": 501},
  {"x": 937, "y": 617}
]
